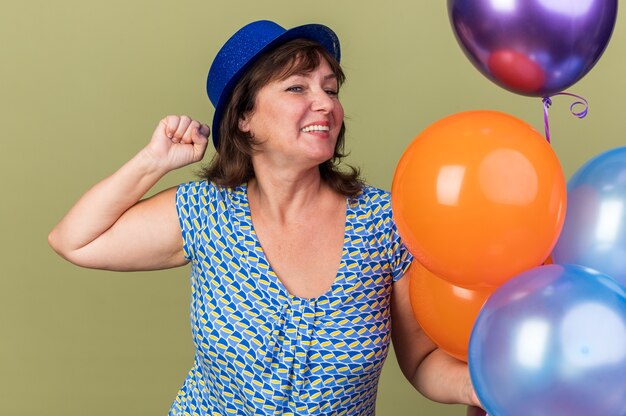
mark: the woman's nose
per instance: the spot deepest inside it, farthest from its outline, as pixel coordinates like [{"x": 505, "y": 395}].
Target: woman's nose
[{"x": 322, "y": 101}]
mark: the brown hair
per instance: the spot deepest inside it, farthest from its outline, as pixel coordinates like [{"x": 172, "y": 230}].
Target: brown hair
[{"x": 232, "y": 163}]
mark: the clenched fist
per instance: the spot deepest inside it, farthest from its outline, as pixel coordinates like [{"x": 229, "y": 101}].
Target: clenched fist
[{"x": 178, "y": 141}]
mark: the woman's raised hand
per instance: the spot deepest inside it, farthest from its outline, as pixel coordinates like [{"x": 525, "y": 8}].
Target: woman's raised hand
[
  {"x": 178, "y": 141},
  {"x": 111, "y": 227}
]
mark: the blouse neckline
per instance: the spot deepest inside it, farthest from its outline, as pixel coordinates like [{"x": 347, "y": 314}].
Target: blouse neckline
[{"x": 241, "y": 195}]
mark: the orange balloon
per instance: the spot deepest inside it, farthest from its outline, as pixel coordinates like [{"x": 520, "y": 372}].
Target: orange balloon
[
  {"x": 445, "y": 312},
  {"x": 479, "y": 197}
]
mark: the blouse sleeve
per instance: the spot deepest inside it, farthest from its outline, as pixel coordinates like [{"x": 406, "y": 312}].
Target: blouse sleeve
[
  {"x": 398, "y": 256},
  {"x": 401, "y": 258},
  {"x": 189, "y": 197}
]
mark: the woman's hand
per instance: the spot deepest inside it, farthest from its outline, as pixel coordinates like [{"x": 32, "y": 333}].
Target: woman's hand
[
  {"x": 472, "y": 398},
  {"x": 433, "y": 372},
  {"x": 110, "y": 227},
  {"x": 177, "y": 141}
]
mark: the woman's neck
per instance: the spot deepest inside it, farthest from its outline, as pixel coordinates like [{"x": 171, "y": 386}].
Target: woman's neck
[{"x": 284, "y": 196}]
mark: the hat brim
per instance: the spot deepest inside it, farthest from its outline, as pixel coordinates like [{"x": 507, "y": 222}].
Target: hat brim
[{"x": 316, "y": 32}]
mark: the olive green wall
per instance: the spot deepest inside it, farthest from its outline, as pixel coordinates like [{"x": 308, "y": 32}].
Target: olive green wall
[{"x": 83, "y": 83}]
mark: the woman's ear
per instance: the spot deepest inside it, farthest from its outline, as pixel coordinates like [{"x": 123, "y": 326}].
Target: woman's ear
[{"x": 244, "y": 123}]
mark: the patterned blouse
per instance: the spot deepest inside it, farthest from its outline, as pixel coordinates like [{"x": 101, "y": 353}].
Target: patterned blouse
[{"x": 259, "y": 349}]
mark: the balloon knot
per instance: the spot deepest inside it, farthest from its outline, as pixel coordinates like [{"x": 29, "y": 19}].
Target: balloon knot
[{"x": 547, "y": 102}]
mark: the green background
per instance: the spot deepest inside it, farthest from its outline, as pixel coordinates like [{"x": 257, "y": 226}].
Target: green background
[{"x": 83, "y": 85}]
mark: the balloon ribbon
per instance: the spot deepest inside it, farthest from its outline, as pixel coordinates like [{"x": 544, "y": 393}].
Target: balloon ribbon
[{"x": 547, "y": 102}]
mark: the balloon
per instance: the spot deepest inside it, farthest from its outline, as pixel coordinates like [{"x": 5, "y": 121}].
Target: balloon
[
  {"x": 445, "y": 312},
  {"x": 516, "y": 70},
  {"x": 479, "y": 197},
  {"x": 475, "y": 411},
  {"x": 533, "y": 47},
  {"x": 594, "y": 233},
  {"x": 552, "y": 341}
]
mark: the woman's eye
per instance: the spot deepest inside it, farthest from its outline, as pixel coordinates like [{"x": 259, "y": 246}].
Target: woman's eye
[
  {"x": 332, "y": 93},
  {"x": 295, "y": 88}
]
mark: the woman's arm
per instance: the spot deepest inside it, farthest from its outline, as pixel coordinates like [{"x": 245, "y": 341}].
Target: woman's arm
[
  {"x": 432, "y": 372},
  {"x": 110, "y": 228}
]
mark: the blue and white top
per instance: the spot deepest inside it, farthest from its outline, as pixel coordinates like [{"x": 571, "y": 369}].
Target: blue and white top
[{"x": 261, "y": 350}]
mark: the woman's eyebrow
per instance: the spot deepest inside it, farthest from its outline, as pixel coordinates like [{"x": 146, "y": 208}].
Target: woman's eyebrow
[{"x": 307, "y": 74}]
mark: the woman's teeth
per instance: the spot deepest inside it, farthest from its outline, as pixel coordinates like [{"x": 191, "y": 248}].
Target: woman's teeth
[{"x": 315, "y": 128}]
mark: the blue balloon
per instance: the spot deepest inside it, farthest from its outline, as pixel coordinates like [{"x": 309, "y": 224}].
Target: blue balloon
[
  {"x": 551, "y": 342},
  {"x": 594, "y": 232}
]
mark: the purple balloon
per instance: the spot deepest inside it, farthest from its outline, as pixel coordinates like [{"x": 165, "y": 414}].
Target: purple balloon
[
  {"x": 552, "y": 341},
  {"x": 533, "y": 47}
]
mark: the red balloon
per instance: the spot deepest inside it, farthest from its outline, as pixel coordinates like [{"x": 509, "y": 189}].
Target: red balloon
[
  {"x": 479, "y": 197},
  {"x": 475, "y": 411},
  {"x": 516, "y": 71}
]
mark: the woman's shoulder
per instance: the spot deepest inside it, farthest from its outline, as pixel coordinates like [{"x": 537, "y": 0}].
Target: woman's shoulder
[
  {"x": 204, "y": 193},
  {"x": 372, "y": 204},
  {"x": 204, "y": 187},
  {"x": 197, "y": 186},
  {"x": 373, "y": 196}
]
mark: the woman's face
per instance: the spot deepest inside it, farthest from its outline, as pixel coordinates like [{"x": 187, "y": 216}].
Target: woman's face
[{"x": 297, "y": 119}]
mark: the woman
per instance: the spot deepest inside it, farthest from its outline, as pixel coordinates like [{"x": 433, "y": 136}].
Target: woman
[{"x": 293, "y": 259}]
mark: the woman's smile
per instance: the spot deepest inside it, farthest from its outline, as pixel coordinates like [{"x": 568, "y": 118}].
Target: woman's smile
[{"x": 298, "y": 117}]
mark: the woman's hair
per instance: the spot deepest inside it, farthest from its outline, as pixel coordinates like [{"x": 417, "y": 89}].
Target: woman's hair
[{"x": 232, "y": 163}]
